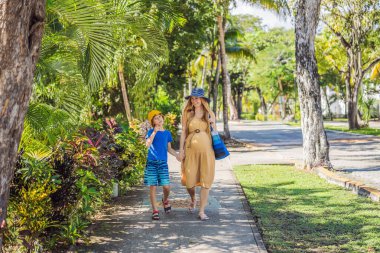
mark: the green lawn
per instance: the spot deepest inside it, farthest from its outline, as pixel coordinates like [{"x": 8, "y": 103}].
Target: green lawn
[
  {"x": 299, "y": 212},
  {"x": 368, "y": 131}
]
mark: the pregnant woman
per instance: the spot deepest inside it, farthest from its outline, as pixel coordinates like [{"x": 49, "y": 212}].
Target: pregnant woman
[{"x": 196, "y": 152}]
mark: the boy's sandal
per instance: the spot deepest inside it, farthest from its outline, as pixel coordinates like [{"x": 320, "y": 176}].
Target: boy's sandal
[
  {"x": 167, "y": 206},
  {"x": 203, "y": 217},
  {"x": 155, "y": 215},
  {"x": 192, "y": 206}
]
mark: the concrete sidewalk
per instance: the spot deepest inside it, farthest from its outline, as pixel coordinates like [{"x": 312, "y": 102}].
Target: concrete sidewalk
[{"x": 129, "y": 228}]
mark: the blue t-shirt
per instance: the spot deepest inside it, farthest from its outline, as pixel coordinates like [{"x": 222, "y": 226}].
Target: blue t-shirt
[{"x": 159, "y": 148}]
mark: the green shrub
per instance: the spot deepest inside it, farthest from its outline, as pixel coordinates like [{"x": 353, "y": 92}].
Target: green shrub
[
  {"x": 248, "y": 116},
  {"x": 272, "y": 117},
  {"x": 61, "y": 189},
  {"x": 30, "y": 216},
  {"x": 260, "y": 117}
]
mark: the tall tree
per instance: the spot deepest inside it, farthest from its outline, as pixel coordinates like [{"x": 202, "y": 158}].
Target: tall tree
[
  {"x": 315, "y": 144},
  {"x": 225, "y": 77},
  {"x": 221, "y": 17},
  {"x": 21, "y": 29},
  {"x": 354, "y": 22}
]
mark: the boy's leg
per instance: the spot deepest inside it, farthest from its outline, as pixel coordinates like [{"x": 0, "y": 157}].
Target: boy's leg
[
  {"x": 166, "y": 190},
  {"x": 153, "y": 197},
  {"x": 165, "y": 199},
  {"x": 163, "y": 179}
]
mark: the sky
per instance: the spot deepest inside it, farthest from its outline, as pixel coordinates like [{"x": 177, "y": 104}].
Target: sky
[{"x": 269, "y": 19}]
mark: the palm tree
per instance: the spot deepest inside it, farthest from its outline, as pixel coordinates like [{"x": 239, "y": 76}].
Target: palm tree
[
  {"x": 86, "y": 27},
  {"x": 222, "y": 12},
  {"x": 237, "y": 50},
  {"x": 226, "y": 83}
]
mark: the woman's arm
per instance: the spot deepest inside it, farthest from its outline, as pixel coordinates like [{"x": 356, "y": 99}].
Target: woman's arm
[
  {"x": 212, "y": 120},
  {"x": 183, "y": 138}
]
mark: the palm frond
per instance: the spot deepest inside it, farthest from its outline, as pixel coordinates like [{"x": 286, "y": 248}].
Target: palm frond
[
  {"x": 94, "y": 24},
  {"x": 37, "y": 117},
  {"x": 46, "y": 123},
  {"x": 279, "y": 6}
]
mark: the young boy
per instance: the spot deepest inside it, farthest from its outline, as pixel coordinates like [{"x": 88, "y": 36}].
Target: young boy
[{"x": 156, "y": 171}]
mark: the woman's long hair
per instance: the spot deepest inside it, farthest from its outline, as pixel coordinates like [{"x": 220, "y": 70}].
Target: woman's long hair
[{"x": 189, "y": 109}]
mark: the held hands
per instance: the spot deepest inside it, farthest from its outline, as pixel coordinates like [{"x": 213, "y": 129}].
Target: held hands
[
  {"x": 181, "y": 155},
  {"x": 177, "y": 157}
]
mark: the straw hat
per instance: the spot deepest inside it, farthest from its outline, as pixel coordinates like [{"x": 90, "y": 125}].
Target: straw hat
[{"x": 152, "y": 114}]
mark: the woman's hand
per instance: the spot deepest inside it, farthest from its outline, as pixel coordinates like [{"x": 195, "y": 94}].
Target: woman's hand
[
  {"x": 212, "y": 122},
  {"x": 182, "y": 155}
]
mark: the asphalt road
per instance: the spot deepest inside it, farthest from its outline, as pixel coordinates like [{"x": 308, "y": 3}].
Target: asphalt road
[{"x": 355, "y": 156}]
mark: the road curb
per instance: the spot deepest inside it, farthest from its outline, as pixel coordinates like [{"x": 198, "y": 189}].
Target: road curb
[
  {"x": 248, "y": 211},
  {"x": 355, "y": 186},
  {"x": 354, "y": 134}
]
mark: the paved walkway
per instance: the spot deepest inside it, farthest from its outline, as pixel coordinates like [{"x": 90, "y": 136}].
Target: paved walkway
[
  {"x": 354, "y": 156},
  {"x": 129, "y": 228}
]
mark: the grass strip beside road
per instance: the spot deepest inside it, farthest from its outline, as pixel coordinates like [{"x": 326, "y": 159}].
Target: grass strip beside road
[
  {"x": 366, "y": 130},
  {"x": 300, "y": 212}
]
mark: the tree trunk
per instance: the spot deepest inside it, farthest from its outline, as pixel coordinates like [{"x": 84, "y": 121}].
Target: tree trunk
[
  {"x": 21, "y": 29},
  {"x": 327, "y": 103},
  {"x": 263, "y": 105},
  {"x": 204, "y": 72},
  {"x": 216, "y": 82},
  {"x": 284, "y": 102},
  {"x": 209, "y": 77},
  {"x": 184, "y": 90},
  {"x": 315, "y": 144},
  {"x": 190, "y": 82},
  {"x": 230, "y": 100},
  {"x": 356, "y": 67},
  {"x": 124, "y": 92},
  {"x": 226, "y": 78},
  {"x": 226, "y": 87},
  {"x": 240, "y": 101}
]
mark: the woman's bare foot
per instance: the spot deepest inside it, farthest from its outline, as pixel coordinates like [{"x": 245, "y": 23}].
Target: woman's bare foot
[
  {"x": 203, "y": 216},
  {"x": 193, "y": 204}
]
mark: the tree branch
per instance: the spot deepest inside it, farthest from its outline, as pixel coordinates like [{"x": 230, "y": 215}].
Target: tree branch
[
  {"x": 370, "y": 66},
  {"x": 339, "y": 35}
]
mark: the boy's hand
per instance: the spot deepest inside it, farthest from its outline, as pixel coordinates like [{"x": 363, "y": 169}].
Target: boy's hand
[
  {"x": 177, "y": 157},
  {"x": 3, "y": 224}
]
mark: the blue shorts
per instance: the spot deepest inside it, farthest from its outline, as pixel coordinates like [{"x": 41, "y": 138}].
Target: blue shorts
[{"x": 156, "y": 173}]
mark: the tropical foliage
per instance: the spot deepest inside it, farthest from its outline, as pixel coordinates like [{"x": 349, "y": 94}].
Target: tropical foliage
[{"x": 105, "y": 63}]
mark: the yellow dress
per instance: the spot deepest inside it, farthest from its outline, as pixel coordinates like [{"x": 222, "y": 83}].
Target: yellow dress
[{"x": 199, "y": 163}]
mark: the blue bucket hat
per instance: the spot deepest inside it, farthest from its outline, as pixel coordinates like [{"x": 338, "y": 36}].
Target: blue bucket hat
[{"x": 198, "y": 92}]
